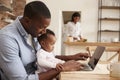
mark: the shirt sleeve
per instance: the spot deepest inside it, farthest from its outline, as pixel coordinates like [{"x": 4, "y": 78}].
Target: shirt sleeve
[
  {"x": 10, "y": 61},
  {"x": 43, "y": 62},
  {"x": 67, "y": 29},
  {"x": 80, "y": 33}
]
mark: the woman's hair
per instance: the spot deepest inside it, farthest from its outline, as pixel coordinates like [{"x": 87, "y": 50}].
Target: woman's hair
[
  {"x": 36, "y": 9},
  {"x": 45, "y": 36},
  {"x": 75, "y": 14}
]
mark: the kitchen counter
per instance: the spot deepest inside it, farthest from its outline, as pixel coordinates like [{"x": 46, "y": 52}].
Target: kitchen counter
[
  {"x": 116, "y": 44},
  {"x": 77, "y": 47}
]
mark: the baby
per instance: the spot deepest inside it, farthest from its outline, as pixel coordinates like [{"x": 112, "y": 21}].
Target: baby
[{"x": 45, "y": 57}]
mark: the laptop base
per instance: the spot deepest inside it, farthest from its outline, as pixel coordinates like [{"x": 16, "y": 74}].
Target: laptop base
[{"x": 86, "y": 68}]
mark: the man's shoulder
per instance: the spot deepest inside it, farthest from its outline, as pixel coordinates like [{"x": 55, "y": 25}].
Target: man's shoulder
[{"x": 9, "y": 30}]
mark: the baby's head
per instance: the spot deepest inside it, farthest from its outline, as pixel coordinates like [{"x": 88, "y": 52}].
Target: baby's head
[{"x": 47, "y": 40}]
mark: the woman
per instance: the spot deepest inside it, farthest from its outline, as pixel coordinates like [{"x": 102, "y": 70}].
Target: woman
[{"x": 73, "y": 28}]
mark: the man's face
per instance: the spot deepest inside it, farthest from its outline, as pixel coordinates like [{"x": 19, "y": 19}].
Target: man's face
[{"x": 38, "y": 27}]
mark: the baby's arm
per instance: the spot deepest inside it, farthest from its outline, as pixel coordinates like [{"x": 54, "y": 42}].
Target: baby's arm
[
  {"x": 45, "y": 63},
  {"x": 59, "y": 67},
  {"x": 42, "y": 60}
]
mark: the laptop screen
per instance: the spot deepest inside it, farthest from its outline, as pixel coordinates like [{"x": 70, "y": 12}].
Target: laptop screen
[{"x": 96, "y": 56}]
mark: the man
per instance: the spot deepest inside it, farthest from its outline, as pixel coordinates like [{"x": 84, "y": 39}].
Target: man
[{"x": 18, "y": 45}]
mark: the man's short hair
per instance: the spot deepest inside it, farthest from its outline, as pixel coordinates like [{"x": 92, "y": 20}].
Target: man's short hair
[
  {"x": 36, "y": 9},
  {"x": 46, "y": 35}
]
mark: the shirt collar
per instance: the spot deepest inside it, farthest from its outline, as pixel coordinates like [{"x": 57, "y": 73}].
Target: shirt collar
[
  {"x": 20, "y": 27},
  {"x": 24, "y": 33}
]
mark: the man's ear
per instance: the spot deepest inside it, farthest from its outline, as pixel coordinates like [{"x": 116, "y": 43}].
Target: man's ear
[{"x": 27, "y": 20}]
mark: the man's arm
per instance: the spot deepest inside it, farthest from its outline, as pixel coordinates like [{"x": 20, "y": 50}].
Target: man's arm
[
  {"x": 65, "y": 58},
  {"x": 10, "y": 61},
  {"x": 79, "y": 56},
  {"x": 49, "y": 75}
]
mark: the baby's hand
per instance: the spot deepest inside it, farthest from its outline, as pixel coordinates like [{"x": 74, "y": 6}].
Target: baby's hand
[{"x": 59, "y": 67}]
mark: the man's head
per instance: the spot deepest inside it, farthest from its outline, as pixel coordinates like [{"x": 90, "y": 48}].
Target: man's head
[
  {"x": 36, "y": 18},
  {"x": 75, "y": 17},
  {"x": 47, "y": 40}
]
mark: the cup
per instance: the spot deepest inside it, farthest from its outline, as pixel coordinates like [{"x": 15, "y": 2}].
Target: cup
[
  {"x": 69, "y": 39},
  {"x": 114, "y": 69},
  {"x": 115, "y": 40}
]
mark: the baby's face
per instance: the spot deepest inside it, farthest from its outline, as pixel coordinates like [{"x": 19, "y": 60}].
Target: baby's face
[{"x": 49, "y": 43}]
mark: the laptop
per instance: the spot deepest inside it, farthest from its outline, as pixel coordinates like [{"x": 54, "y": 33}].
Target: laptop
[{"x": 94, "y": 59}]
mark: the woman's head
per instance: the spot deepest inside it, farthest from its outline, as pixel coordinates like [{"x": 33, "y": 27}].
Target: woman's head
[
  {"x": 75, "y": 17},
  {"x": 47, "y": 40}
]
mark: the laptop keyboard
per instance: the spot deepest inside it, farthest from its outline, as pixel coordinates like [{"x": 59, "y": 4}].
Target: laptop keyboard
[{"x": 86, "y": 67}]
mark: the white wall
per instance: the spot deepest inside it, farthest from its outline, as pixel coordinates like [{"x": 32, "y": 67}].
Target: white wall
[{"x": 89, "y": 17}]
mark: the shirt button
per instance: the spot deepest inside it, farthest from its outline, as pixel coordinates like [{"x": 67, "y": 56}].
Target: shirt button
[{"x": 33, "y": 51}]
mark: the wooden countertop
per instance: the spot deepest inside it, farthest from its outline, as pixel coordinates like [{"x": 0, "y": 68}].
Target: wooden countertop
[
  {"x": 86, "y": 76},
  {"x": 117, "y": 44},
  {"x": 99, "y": 73}
]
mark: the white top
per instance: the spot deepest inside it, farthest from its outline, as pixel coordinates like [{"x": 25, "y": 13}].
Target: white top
[
  {"x": 73, "y": 29},
  {"x": 46, "y": 60}
]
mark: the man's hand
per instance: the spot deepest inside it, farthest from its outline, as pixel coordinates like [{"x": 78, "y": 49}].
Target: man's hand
[
  {"x": 80, "y": 56},
  {"x": 72, "y": 66}
]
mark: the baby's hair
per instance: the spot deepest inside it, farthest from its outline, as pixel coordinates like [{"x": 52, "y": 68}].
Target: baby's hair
[{"x": 45, "y": 36}]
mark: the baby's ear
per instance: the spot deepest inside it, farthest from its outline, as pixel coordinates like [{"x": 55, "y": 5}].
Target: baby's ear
[{"x": 42, "y": 43}]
